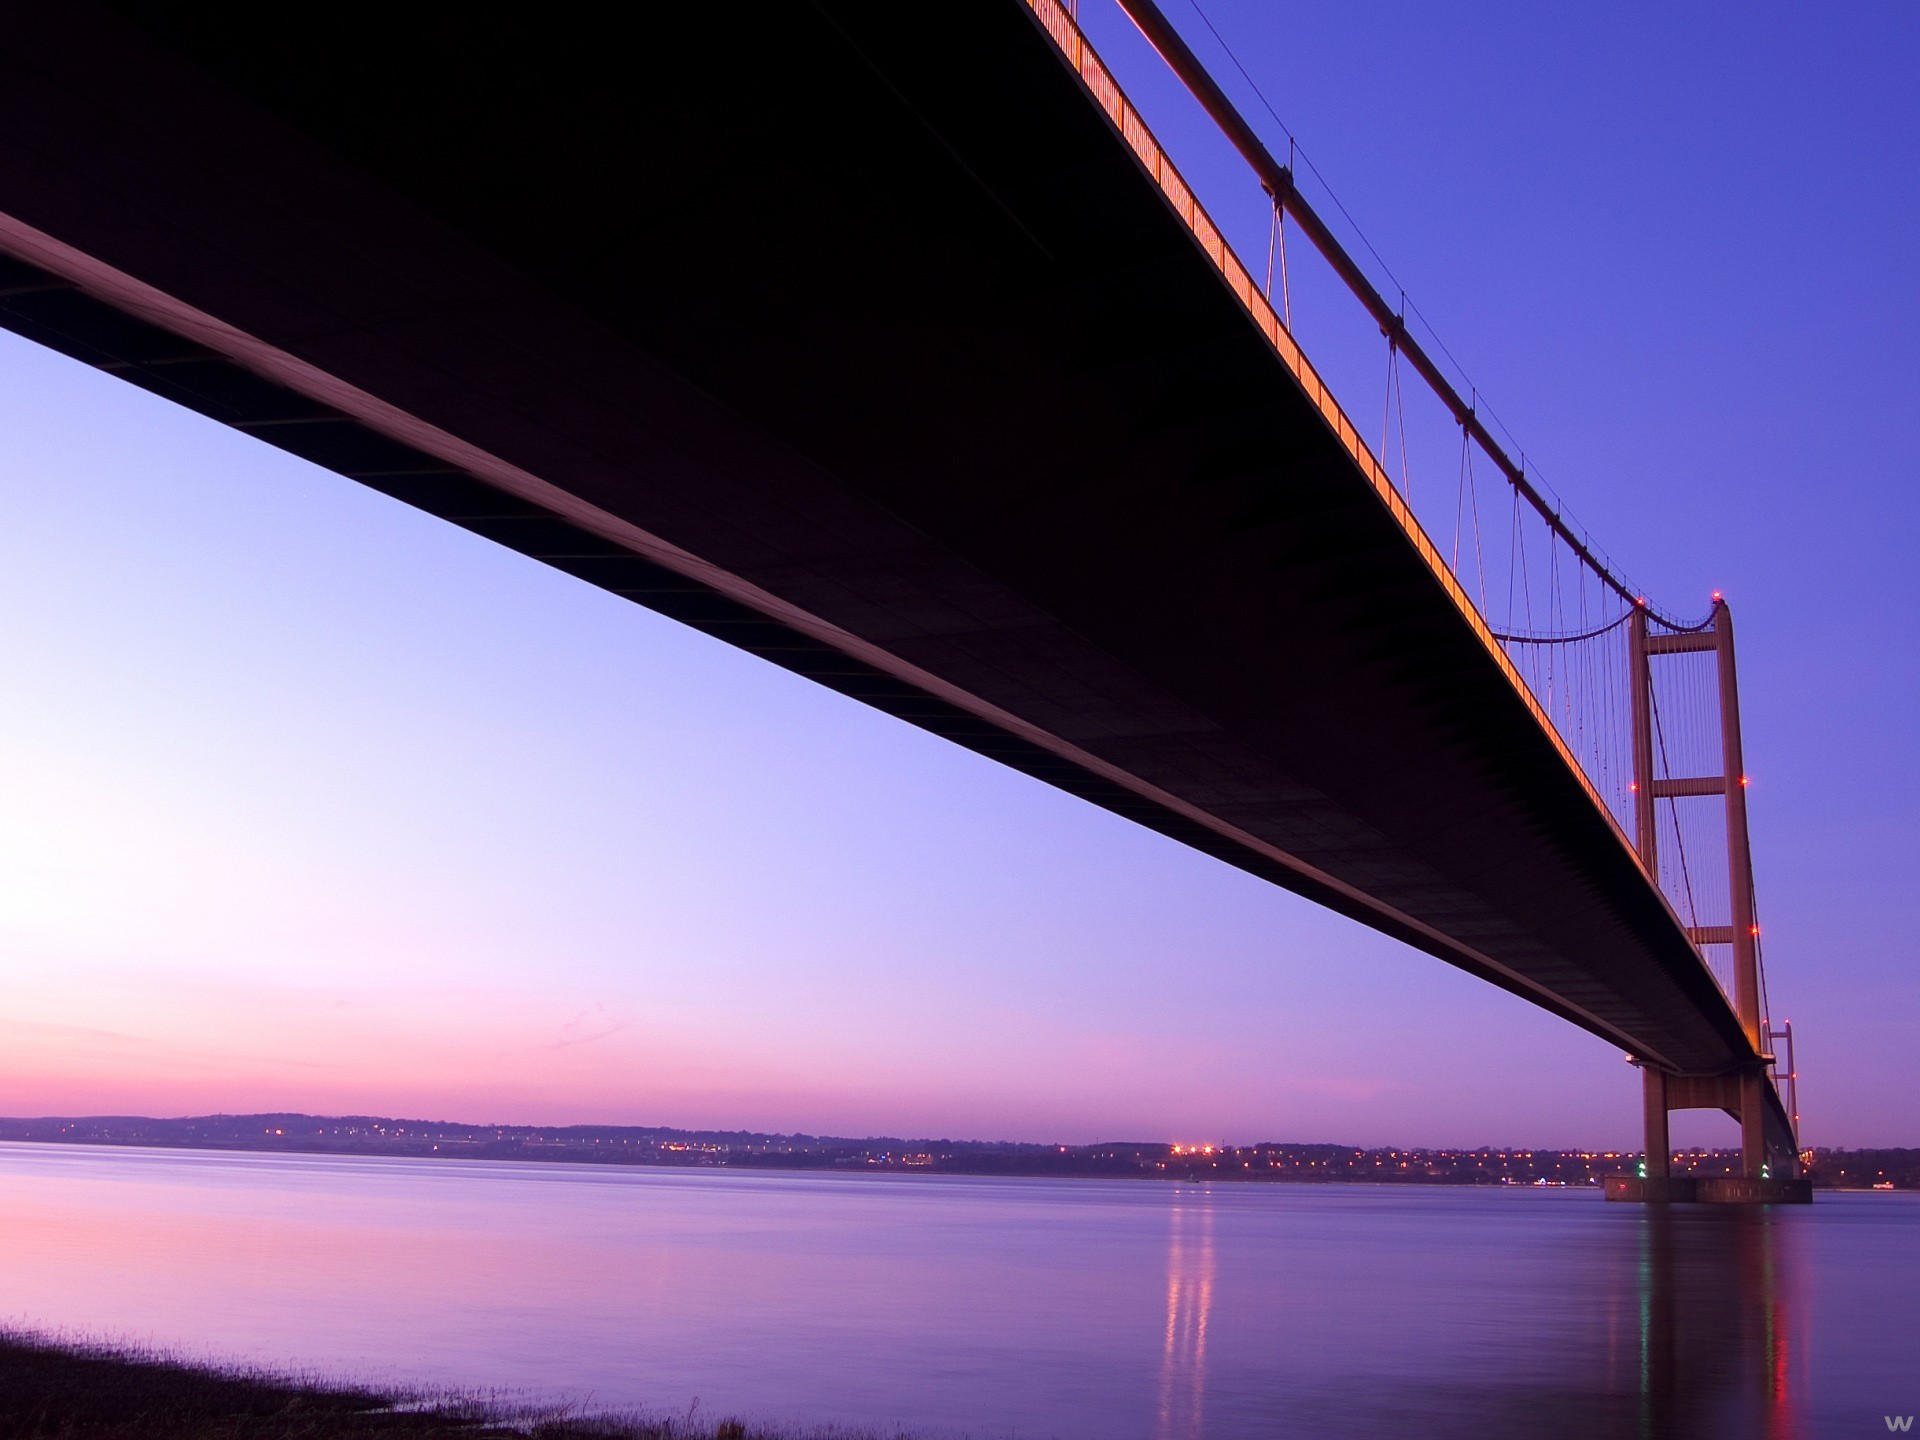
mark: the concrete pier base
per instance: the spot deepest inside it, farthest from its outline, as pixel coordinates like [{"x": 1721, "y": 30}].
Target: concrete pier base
[
  {"x": 1651, "y": 1189},
  {"x": 1738, "y": 1190},
  {"x": 1708, "y": 1190}
]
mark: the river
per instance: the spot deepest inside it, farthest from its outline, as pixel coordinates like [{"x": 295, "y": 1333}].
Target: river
[{"x": 1080, "y": 1309}]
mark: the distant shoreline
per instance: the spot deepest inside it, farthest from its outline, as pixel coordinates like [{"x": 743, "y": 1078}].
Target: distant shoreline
[{"x": 668, "y": 1148}]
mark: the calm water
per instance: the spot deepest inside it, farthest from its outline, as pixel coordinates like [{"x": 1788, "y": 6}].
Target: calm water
[{"x": 1075, "y": 1309}]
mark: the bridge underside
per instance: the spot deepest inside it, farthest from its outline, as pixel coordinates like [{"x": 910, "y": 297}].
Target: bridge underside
[{"x": 850, "y": 334}]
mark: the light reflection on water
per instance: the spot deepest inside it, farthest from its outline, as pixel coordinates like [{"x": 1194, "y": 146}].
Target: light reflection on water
[
  {"x": 1183, "y": 1368},
  {"x": 994, "y": 1307}
]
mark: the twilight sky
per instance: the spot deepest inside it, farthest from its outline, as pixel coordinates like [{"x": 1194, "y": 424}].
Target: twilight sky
[{"x": 313, "y": 802}]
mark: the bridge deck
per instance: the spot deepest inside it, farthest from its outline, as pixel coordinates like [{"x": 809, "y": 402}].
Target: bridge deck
[{"x": 855, "y": 336}]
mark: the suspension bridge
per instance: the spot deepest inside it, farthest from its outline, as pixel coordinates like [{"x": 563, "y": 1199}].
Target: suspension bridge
[{"x": 888, "y": 344}]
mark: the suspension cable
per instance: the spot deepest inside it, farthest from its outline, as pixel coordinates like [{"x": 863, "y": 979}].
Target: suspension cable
[
  {"x": 1673, "y": 805},
  {"x": 1593, "y": 634},
  {"x": 1278, "y": 181}
]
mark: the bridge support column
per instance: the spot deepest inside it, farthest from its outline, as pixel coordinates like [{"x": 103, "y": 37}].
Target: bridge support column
[
  {"x": 1746, "y": 926},
  {"x": 1656, "y": 1182},
  {"x": 1659, "y": 1163},
  {"x": 1741, "y": 1094},
  {"x": 1753, "y": 1137}
]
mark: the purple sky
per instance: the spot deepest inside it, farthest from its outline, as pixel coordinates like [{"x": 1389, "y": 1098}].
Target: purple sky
[{"x": 313, "y": 802}]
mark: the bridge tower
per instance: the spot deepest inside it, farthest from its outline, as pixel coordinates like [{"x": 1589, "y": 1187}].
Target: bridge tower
[{"x": 1742, "y": 1093}]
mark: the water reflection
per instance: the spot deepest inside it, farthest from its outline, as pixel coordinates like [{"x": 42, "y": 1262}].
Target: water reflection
[
  {"x": 1183, "y": 1361},
  {"x": 1082, "y": 1310},
  {"x": 1716, "y": 1308},
  {"x": 1581, "y": 1320}
]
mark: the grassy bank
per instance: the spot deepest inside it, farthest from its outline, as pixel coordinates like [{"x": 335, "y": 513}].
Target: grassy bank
[{"x": 50, "y": 1389}]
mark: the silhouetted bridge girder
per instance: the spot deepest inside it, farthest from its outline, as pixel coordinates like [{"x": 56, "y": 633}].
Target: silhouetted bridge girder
[{"x": 853, "y": 335}]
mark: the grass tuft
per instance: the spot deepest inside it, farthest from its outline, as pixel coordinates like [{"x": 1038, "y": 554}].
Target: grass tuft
[{"x": 55, "y": 1388}]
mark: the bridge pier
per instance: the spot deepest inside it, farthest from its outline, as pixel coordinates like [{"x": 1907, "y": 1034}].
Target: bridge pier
[{"x": 1742, "y": 1094}]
